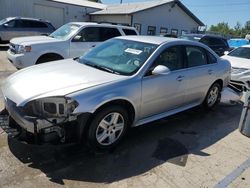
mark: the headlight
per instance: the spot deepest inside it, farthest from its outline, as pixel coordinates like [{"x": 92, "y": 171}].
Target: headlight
[
  {"x": 22, "y": 49},
  {"x": 51, "y": 107}
]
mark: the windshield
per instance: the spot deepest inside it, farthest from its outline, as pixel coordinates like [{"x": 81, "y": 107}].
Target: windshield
[
  {"x": 241, "y": 52},
  {"x": 119, "y": 56},
  {"x": 65, "y": 32},
  {"x": 3, "y": 21}
]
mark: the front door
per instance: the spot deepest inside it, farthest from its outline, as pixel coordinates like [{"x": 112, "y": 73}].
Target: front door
[
  {"x": 161, "y": 93},
  {"x": 84, "y": 41}
]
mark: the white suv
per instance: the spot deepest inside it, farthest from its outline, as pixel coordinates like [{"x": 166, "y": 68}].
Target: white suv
[{"x": 69, "y": 41}]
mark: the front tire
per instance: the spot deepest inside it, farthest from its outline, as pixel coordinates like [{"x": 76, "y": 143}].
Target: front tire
[
  {"x": 108, "y": 127},
  {"x": 213, "y": 96}
]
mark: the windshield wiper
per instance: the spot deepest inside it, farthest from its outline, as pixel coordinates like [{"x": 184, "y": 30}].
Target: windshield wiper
[{"x": 101, "y": 68}]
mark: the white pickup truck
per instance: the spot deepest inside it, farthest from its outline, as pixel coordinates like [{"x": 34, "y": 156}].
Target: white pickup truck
[{"x": 69, "y": 41}]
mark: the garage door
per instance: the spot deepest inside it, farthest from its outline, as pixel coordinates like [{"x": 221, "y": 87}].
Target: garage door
[{"x": 53, "y": 14}]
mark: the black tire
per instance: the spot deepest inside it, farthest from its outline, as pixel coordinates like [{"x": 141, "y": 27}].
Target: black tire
[
  {"x": 95, "y": 128},
  {"x": 48, "y": 58},
  {"x": 213, "y": 97}
]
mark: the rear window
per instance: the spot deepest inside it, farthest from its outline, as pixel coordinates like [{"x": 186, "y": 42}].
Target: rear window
[
  {"x": 129, "y": 32},
  {"x": 213, "y": 41}
]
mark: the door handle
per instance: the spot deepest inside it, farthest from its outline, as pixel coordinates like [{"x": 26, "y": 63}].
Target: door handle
[
  {"x": 93, "y": 46},
  {"x": 210, "y": 72},
  {"x": 179, "y": 78}
]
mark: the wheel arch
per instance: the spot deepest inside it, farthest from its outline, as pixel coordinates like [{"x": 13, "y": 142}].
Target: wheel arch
[
  {"x": 49, "y": 54},
  {"x": 127, "y": 105},
  {"x": 220, "y": 82}
]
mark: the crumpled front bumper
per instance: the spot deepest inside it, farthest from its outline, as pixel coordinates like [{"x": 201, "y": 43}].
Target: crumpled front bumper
[{"x": 29, "y": 129}]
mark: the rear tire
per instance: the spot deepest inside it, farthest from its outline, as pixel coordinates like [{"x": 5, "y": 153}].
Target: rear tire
[
  {"x": 213, "y": 96},
  {"x": 107, "y": 128}
]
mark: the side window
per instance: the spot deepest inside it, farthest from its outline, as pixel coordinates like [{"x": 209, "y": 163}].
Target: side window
[
  {"x": 15, "y": 24},
  {"x": 108, "y": 33},
  {"x": 196, "y": 56},
  {"x": 26, "y": 23},
  {"x": 11, "y": 23},
  {"x": 171, "y": 58},
  {"x": 211, "y": 58},
  {"x": 36, "y": 24},
  {"x": 89, "y": 34},
  {"x": 129, "y": 32},
  {"x": 163, "y": 31},
  {"x": 151, "y": 30}
]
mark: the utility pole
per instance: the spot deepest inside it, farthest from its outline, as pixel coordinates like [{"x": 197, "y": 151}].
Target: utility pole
[{"x": 121, "y": 2}]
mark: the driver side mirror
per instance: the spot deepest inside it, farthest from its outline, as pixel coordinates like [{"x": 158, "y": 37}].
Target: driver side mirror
[
  {"x": 78, "y": 38},
  {"x": 226, "y": 52},
  {"x": 6, "y": 25},
  {"x": 161, "y": 70}
]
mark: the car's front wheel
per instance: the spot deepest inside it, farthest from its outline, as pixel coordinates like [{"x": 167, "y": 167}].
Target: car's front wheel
[
  {"x": 108, "y": 127},
  {"x": 213, "y": 96}
]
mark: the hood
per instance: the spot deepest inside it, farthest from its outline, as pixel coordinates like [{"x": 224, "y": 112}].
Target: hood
[
  {"x": 57, "y": 78},
  {"x": 238, "y": 62},
  {"x": 33, "y": 40}
]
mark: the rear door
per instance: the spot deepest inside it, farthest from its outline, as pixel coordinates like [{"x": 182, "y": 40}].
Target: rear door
[
  {"x": 89, "y": 37},
  {"x": 201, "y": 69}
]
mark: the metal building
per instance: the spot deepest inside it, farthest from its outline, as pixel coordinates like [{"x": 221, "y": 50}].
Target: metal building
[
  {"x": 152, "y": 17},
  {"x": 58, "y": 12}
]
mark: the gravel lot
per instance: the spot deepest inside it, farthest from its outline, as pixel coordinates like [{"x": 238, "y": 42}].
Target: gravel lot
[{"x": 192, "y": 149}]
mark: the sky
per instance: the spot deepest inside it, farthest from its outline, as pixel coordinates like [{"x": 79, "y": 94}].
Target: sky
[{"x": 211, "y": 12}]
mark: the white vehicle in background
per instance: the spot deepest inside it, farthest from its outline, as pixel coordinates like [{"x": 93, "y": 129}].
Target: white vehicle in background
[
  {"x": 240, "y": 62},
  {"x": 69, "y": 41}
]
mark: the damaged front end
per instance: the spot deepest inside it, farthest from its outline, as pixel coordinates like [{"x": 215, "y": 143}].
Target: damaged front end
[{"x": 46, "y": 120}]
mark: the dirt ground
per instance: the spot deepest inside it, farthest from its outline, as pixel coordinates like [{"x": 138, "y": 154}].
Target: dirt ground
[{"x": 195, "y": 148}]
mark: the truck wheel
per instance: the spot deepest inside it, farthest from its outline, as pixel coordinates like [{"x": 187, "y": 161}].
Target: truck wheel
[
  {"x": 213, "y": 96},
  {"x": 108, "y": 127}
]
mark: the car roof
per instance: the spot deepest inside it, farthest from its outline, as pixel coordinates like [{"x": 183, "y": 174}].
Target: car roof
[
  {"x": 246, "y": 46},
  {"x": 101, "y": 24},
  {"x": 26, "y": 18},
  {"x": 203, "y": 35},
  {"x": 158, "y": 40}
]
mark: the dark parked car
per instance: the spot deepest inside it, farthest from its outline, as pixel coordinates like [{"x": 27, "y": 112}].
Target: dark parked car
[
  {"x": 217, "y": 43},
  {"x": 19, "y": 27}
]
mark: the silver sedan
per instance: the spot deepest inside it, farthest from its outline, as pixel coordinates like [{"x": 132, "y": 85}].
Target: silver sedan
[{"x": 124, "y": 82}]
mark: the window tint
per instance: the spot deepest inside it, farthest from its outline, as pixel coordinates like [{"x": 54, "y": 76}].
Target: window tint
[
  {"x": 195, "y": 56},
  {"x": 26, "y": 24},
  {"x": 129, "y": 32},
  {"x": 171, "y": 58},
  {"x": 211, "y": 58},
  {"x": 11, "y": 23},
  {"x": 37, "y": 24},
  {"x": 89, "y": 34},
  {"x": 108, "y": 33},
  {"x": 212, "y": 41}
]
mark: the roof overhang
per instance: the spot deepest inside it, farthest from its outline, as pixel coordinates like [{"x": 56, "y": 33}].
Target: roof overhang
[{"x": 130, "y": 12}]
